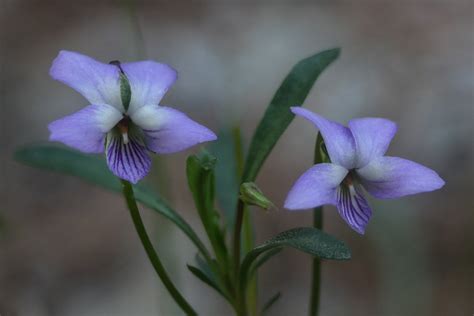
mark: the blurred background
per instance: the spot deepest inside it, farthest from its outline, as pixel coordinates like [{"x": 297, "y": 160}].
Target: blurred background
[{"x": 68, "y": 248}]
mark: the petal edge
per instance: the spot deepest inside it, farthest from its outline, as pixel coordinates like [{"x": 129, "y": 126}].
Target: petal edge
[
  {"x": 393, "y": 177},
  {"x": 316, "y": 187}
]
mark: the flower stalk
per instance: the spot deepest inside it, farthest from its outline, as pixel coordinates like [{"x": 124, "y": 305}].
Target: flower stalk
[
  {"x": 316, "y": 268},
  {"x": 150, "y": 251},
  {"x": 320, "y": 156}
]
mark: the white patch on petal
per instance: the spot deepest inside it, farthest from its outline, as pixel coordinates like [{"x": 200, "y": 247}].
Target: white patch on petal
[
  {"x": 149, "y": 117},
  {"x": 107, "y": 117}
]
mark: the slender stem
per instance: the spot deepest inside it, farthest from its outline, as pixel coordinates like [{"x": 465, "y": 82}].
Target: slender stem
[
  {"x": 152, "y": 254},
  {"x": 316, "y": 277},
  {"x": 237, "y": 230},
  {"x": 319, "y": 157}
]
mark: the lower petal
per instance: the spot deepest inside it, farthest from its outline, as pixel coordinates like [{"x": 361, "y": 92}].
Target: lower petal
[
  {"x": 85, "y": 130},
  {"x": 393, "y": 177},
  {"x": 353, "y": 207},
  {"x": 316, "y": 187},
  {"x": 168, "y": 130},
  {"x": 128, "y": 161}
]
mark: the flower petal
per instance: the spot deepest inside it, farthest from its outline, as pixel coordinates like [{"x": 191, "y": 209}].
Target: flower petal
[
  {"x": 96, "y": 81},
  {"x": 337, "y": 138},
  {"x": 372, "y": 137},
  {"x": 129, "y": 161},
  {"x": 316, "y": 187},
  {"x": 149, "y": 81},
  {"x": 85, "y": 130},
  {"x": 393, "y": 177},
  {"x": 353, "y": 207},
  {"x": 168, "y": 130}
]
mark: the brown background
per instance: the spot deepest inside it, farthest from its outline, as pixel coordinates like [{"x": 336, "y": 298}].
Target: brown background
[{"x": 68, "y": 248}]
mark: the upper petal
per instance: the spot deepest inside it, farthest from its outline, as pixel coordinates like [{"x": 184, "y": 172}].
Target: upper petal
[
  {"x": 393, "y": 177},
  {"x": 372, "y": 137},
  {"x": 317, "y": 186},
  {"x": 168, "y": 130},
  {"x": 337, "y": 138},
  {"x": 85, "y": 130},
  {"x": 149, "y": 81},
  {"x": 96, "y": 81}
]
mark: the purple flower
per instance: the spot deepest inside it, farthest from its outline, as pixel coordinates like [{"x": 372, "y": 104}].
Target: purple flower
[
  {"x": 125, "y": 132},
  {"x": 357, "y": 162}
]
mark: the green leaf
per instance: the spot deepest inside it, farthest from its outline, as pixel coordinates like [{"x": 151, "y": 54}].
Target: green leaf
[
  {"x": 292, "y": 92},
  {"x": 261, "y": 260},
  {"x": 270, "y": 303},
  {"x": 227, "y": 175},
  {"x": 310, "y": 240},
  {"x": 204, "y": 277},
  {"x": 93, "y": 169},
  {"x": 201, "y": 181}
]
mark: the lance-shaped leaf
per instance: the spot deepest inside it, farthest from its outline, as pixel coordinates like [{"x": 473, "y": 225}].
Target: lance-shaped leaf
[
  {"x": 93, "y": 169},
  {"x": 292, "y": 92},
  {"x": 204, "y": 277},
  {"x": 228, "y": 151},
  {"x": 306, "y": 239},
  {"x": 201, "y": 181}
]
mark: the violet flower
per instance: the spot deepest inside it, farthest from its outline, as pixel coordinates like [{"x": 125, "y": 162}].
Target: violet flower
[
  {"x": 357, "y": 161},
  {"x": 127, "y": 132}
]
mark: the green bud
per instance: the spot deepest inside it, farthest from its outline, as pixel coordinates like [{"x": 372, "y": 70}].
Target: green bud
[{"x": 250, "y": 194}]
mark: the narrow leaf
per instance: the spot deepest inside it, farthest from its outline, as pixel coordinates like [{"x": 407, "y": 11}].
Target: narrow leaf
[
  {"x": 201, "y": 181},
  {"x": 292, "y": 92},
  {"x": 261, "y": 260},
  {"x": 205, "y": 278},
  {"x": 93, "y": 169},
  {"x": 306, "y": 239},
  {"x": 227, "y": 175}
]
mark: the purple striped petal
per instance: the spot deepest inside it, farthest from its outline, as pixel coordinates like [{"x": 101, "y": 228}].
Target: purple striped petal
[
  {"x": 168, "y": 130},
  {"x": 337, "y": 138},
  {"x": 372, "y": 137},
  {"x": 85, "y": 130},
  {"x": 353, "y": 207},
  {"x": 393, "y": 177},
  {"x": 316, "y": 187},
  {"x": 129, "y": 161},
  {"x": 149, "y": 81},
  {"x": 96, "y": 81}
]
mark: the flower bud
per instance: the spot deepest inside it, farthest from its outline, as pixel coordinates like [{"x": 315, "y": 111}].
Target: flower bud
[{"x": 250, "y": 194}]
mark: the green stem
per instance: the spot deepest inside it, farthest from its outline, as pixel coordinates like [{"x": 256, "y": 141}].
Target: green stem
[
  {"x": 316, "y": 277},
  {"x": 320, "y": 156},
  {"x": 237, "y": 230},
  {"x": 152, "y": 254}
]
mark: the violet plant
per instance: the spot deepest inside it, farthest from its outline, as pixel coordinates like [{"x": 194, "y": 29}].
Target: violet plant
[{"x": 125, "y": 121}]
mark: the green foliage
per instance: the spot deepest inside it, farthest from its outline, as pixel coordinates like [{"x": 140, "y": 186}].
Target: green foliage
[
  {"x": 201, "y": 181},
  {"x": 93, "y": 169},
  {"x": 309, "y": 240},
  {"x": 227, "y": 149},
  {"x": 292, "y": 92},
  {"x": 206, "y": 278}
]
